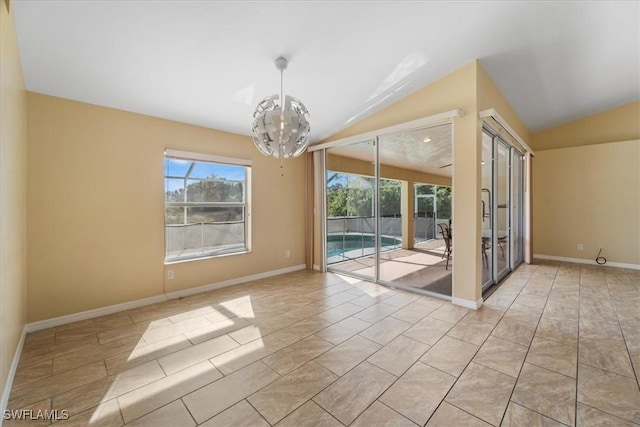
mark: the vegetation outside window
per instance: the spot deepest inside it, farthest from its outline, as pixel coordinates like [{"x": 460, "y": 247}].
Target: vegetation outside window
[{"x": 206, "y": 205}]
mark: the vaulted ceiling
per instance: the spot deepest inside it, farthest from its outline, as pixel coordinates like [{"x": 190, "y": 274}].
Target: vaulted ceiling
[{"x": 210, "y": 62}]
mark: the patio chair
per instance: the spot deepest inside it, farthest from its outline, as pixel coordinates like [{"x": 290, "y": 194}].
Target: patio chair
[
  {"x": 485, "y": 244},
  {"x": 446, "y": 236},
  {"x": 501, "y": 242}
]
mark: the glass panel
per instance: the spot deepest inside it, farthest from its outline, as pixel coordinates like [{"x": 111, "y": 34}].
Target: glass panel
[
  {"x": 228, "y": 172},
  {"x": 502, "y": 188},
  {"x": 350, "y": 195},
  {"x": 174, "y": 215},
  {"x": 425, "y": 216},
  {"x": 174, "y": 190},
  {"x": 426, "y": 204},
  {"x": 218, "y": 190},
  {"x": 487, "y": 208},
  {"x": 194, "y": 240},
  {"x": 518, "y": 207},
  {"x": 424, "y": 189},
  {"x": 209, "y": 214},
  {"x": 204, "y": 170},
  {"x": 390, "y": 214},
  {"x": 176, "y": 167},
  {"x": 443, "y": 205},
  {"x": 412, "y": 258}
]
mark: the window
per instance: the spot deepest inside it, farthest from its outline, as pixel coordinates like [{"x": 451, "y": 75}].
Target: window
[{"x": 206, "y": 205}]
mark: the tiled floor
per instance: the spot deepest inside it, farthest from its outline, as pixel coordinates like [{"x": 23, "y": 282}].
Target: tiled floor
[{"x": 555, "y": 345}]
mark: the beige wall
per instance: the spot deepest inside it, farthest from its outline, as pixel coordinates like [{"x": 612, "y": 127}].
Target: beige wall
[
  {"x": 618, "y": 124},
  {"x": 13, "y": 180},
  {"x": 489, "y": 96},
  {"x": 586, "y": 187},
  {"x": 588, "y": 195},
  {"x": 96, "y": 207}
]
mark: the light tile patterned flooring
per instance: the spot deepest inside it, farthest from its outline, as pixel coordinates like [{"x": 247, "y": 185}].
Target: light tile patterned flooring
[{"x": 556, "y": 344}]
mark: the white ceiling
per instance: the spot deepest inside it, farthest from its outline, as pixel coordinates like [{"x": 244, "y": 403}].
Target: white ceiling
[{"x": 210, "y": 62}]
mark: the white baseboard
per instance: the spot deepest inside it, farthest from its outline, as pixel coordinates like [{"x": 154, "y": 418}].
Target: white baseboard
[
  {"x": 231, "y": 282},
  {"x": 11, "y": 374},
  {"x": 316, "y": 267},
  {"x": 103, "y": 311},
  {"x": 474, "y": 305},
  {"x": 587, "y": 261},
  {"x": 90, "y": 314}
]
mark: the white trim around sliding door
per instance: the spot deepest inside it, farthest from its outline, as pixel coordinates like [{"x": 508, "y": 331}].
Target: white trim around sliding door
[
  {"x": 528, "y": 247},
  {"x": 319, "y": 206},
  {"x": 434, "y": 120},
  {"x": 492, "y": 113}
]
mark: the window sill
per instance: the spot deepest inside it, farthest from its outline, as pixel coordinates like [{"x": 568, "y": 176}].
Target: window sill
[{"x": 206, "y": 257}]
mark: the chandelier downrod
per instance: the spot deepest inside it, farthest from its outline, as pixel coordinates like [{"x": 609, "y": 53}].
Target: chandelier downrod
[{"x": 281, "y": 64}]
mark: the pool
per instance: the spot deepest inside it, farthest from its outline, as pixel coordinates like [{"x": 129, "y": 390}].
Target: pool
[{"x": 340, "y": 245}]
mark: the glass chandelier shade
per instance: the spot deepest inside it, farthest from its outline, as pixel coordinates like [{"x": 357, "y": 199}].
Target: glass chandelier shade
[{"x": 281, "y": 131}]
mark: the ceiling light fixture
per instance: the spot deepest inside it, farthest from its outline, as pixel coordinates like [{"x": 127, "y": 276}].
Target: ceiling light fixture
[
  {"x": 281, "y": 131},
  {"x": 427, "y": 139}
]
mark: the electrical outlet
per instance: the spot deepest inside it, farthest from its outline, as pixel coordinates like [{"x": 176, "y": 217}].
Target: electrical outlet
[
  {"x": 287, "y": 253},
  {"x": 170, "y": 275},
  {"x": 580, "y": 247}
]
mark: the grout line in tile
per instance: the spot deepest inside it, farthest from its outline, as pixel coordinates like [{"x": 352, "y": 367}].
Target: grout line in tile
[
  {"x": 187, "y": 408},
  {"x": 147, "y": 413},
  {"x": 575, "y": 419},
  {"x": 633, "y": 368},
  {"x": 539, "y": 413},
  {"x": 606, "y": 370},
  {"x": 377, "y": 397},
  {"x": 530, "y": 342},
  {"x": 119, "y": 410},
  {"x": 236, "y": 341},
  {"x": 383, "y": 404},
  {"x": 458, "y": 377},
  {"x": 259, "y": 413},
  {"x": 606, "y": 412},
  {"x": 465, "y": 411}
]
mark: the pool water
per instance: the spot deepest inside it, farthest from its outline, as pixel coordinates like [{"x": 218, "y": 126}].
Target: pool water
[{"x": 339, "y": 244}]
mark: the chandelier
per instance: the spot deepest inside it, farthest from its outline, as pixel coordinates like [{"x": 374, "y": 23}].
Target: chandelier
[{"x": 281, "y": 131}]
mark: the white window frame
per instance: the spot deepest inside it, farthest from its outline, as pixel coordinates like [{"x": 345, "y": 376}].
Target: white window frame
[{"x": 246, "y": 205}]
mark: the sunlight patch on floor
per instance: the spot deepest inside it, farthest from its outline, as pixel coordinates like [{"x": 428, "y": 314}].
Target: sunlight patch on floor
[
  {"x": 350, "y": 280},
  {"x": 240, "y": 307}
]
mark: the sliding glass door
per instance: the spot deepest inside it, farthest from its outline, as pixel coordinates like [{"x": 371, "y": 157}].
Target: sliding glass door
[
  {"x": 502, "y": 217},
  {"x": 487, "y": 197},
  {"x": 384, "y": 198},
  {"x": 389, "y": 212},
  {"x": 502, "y": 208}
]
